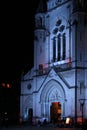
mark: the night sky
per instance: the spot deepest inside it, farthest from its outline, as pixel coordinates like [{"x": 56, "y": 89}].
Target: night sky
[
  {"x": 16, "y": 40},
  {"x": 16, "y": 49}
]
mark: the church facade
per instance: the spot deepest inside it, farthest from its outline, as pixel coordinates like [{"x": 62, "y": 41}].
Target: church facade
[{"x": 56, "y": 85}]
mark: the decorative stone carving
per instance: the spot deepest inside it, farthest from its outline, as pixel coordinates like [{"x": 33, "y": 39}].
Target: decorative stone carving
[
  {"x": 55, "y": 30},
  {"x": 62, "y": 27},
  {"x": 55, "y": 95},
  {"x": 58, "y": 22}
]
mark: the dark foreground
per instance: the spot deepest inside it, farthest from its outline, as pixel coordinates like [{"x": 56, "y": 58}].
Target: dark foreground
[{"x": 36, "y": 127}]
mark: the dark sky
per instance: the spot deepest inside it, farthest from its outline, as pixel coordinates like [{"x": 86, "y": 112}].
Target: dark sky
[{"x": 16, "y": 38}]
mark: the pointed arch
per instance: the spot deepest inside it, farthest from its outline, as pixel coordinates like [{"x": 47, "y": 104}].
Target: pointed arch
[{"x": 53, "y": 90}]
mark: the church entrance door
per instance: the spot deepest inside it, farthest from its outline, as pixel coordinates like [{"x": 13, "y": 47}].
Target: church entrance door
[
  {"x": 55, "y": 112},
  {"x": 30, "y": 115}
]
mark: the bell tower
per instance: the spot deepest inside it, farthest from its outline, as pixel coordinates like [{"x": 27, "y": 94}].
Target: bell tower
[{"x": 40, "y": 55}]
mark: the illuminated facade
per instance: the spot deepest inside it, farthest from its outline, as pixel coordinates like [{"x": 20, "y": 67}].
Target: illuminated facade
[{"x": 58, "y": 79}]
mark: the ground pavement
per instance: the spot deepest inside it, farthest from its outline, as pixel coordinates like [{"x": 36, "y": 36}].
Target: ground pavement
[{"x": 27, "y": 127}]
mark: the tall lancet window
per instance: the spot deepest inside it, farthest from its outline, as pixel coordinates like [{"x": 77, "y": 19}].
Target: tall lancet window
[
  {"x": 39, "y": 22},
  {"x": 78, "y": 4},
  {"x": 81, "y": 3},
  {"x": 59, "y": 47},
  {"x": 54, "y": 49},
  {"x": 64, "y": 46}
]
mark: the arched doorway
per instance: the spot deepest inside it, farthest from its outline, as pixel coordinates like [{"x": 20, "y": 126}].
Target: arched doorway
[
  {"x": 55, "y": 112},
  {"x": 30, "y": 115},
  {"x": 52, "y": 93}
]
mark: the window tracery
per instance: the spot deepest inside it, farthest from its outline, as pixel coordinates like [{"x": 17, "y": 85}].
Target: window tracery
[{"x": 59, "y": 41}]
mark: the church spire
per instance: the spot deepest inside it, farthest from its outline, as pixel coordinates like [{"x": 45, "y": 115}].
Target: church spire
[{"x": 41, "y": 6}]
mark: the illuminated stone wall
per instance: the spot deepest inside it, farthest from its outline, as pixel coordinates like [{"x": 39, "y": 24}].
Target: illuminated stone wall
[{"x": 57, "y": 72}]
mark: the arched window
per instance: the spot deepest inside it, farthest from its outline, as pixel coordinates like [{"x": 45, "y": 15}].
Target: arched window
[
  {"x": 64, "y": 46},
  {"x": 59, "y": 47},
  {"x": 39, "y": 22},
  {"x": 54, "y": 49},
  {"x": 78, "y": 4}
]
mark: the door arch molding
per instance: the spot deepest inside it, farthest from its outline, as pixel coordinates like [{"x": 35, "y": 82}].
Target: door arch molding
[
  {"x": 48, "y": 89},
  {"x": 53, "y": 91}
]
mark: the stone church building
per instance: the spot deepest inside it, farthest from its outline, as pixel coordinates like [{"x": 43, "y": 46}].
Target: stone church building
[{"x": 56, "y": 86}]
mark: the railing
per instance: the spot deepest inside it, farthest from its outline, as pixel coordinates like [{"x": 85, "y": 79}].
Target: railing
[{"x": 57, "y": 68}]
